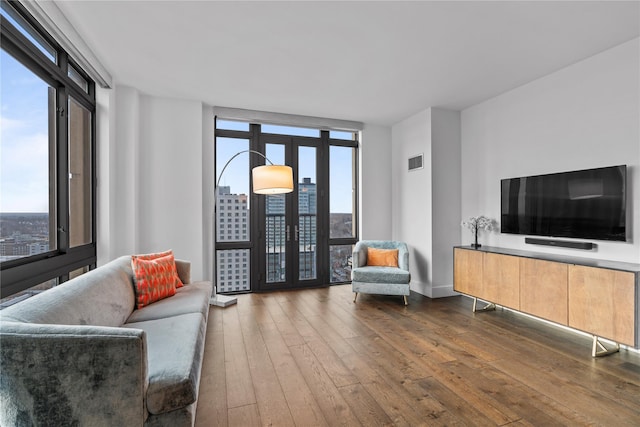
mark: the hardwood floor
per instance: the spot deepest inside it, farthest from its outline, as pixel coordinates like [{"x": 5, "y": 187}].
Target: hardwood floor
[{"x": 313, "y": 357}]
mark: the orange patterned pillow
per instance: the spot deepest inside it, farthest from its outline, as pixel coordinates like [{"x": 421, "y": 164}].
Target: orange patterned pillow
[
  {"x": 154, "y": 279},
  {"x": 178, "y": 283},
  {"x": 382, "y": 257}
]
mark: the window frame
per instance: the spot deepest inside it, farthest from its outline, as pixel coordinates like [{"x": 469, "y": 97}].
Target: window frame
[
  {"x": 345, "y": 241},
  {"x": 323, "y": 143},
  {"x": 23, "y": 273}
]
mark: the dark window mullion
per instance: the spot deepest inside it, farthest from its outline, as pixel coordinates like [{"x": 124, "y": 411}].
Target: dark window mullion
[
  {"x": 292, "y": 218},
  {"x": 62, "y": 165},
  {"x": 258, "y": 235},
  {"x": 20, "y": 47},
  {"x": 17, "y": 46},
  {"x": 16, "y": 43},
  {"x": 323, "y": 211},
  {"x": 356, "y": 204},
  {"x": 94, "y": 179},
  {"x": 343, "y": 241},
  {"x": 42, "y": 33},
  {"x": 342, "y": 143},
  {"x": 82, "y": 98}
]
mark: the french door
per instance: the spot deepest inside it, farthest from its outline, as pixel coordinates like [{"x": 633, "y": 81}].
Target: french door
[
  {"x": 291, "y": 242},
  {"x": 299, "y": 239}
]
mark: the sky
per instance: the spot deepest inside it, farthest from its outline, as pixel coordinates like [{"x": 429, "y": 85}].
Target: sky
[
  {"x": 24, "y": 140},
  {"x": 237, "y": 178}
]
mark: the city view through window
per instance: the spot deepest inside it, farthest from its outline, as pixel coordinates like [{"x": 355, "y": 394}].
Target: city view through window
[
  {"x": 294, "y": 246},
  {"x": 25, "y": 228},
  {"x": 232, "y": 224},
  {"x": 23, "y": 234},
  {"x": 47, "y": 158}
]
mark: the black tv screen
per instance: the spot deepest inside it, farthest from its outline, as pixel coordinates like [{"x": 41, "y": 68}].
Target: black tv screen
[{"x": 586, "y": 204}]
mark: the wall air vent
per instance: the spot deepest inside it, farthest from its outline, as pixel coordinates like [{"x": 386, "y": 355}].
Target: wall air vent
[{"x": 416, "y": 162}]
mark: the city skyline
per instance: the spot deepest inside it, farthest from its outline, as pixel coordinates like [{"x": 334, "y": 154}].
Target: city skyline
[
  {"x": 233, "y": 272},
  {"x": 24, "y": 234}
]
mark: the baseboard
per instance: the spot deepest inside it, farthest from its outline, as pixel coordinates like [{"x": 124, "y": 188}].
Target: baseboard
[
  {"x": 443, "y": 291},
  {"x": 437, "y": 292}
]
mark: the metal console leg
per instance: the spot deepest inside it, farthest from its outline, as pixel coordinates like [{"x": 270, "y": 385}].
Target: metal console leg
[
  {"x": 599, "y": 350},
  {"x": 489, "y": 307}
]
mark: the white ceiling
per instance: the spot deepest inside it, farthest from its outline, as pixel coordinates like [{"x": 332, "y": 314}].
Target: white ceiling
[{"x": 376, "y": 62}]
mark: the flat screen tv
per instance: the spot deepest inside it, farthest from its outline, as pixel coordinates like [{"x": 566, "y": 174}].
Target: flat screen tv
[{"x": 584, "y": 204}]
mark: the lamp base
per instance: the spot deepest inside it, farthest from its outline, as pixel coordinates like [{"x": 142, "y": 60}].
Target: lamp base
[{"x": 222, "y": 300}]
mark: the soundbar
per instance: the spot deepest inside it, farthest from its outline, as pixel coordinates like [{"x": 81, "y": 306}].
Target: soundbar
[{"x": 560, "y": 243}]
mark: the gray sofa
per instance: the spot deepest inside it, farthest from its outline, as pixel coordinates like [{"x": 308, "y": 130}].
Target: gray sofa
[{"x": 80, "y": 355}]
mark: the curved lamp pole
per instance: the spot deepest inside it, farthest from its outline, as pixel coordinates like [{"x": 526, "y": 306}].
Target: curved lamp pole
[{"x": 267, "y": 179}]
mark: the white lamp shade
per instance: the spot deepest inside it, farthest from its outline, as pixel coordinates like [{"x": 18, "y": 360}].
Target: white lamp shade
[{"x": 272, "y": 179}]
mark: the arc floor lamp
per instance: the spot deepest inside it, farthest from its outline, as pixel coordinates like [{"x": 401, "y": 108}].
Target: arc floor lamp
[{"x": 266, "y": 179}]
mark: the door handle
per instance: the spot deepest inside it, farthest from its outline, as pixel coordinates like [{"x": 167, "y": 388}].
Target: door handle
[
  {"x": 297, "y": 234},
  {"x": 288, "y": 234}
]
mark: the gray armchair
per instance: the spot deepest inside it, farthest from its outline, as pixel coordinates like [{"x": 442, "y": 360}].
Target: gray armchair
[{"x": 383, "y": 280}]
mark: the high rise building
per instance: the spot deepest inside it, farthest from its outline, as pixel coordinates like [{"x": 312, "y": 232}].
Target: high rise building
[
  {"x": 304, "y": 231},
  {"x": 307, "y": 228},
  {"x": 232, "y": 224}
]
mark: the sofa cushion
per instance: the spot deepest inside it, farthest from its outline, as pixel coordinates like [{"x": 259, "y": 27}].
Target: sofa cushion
[
  {"x": 175, "y": 346},
  {"x": 381, "y": 288},
  {"x": 100, "y": 297},
  {"x": 191, "y": 298},
  {"x": 178, "y": 283},
  {"x": 382, "y": 257},
  {"x": 154, "y": 279},
  {"x": 380, "y": 275}
]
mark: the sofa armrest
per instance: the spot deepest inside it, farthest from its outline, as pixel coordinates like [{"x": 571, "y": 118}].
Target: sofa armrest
[
  {"x": 72, "y": 375},
  {"x": 184, "y": 270},
  {"x": 403, "y": 257},
  {"x": 359, "y": 258}
]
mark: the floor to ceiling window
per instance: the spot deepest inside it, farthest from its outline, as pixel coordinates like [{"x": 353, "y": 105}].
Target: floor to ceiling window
[
  {"x": 301, "y": 239},
  {"x": 47, "y": 162}
]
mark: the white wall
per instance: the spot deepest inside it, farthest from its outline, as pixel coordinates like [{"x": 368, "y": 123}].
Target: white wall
[
  {"x": 208, "y": 189},
  {"x": 118, "y": 180},
  {"x": 150, "y": 184},
  {"x": 411, "y": 196},
  {"x": 446, "y": 182},
  {"x": 170, "y": 179},
  {"x": 426, "y": 202},
  {"x": 105, "y": 128},
  {"x": 375, "y": 183},
  {"x": 583, "y": 116}
]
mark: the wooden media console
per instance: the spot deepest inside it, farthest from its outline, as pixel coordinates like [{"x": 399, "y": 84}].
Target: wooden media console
[{"x": 598, "y": 297}]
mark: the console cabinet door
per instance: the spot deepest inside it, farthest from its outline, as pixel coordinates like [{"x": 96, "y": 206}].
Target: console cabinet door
[
  {"x": 544, "y": 289},
  {"x": 602, "y": 302},
  {"x": 501, "y": 280},
  {"x": 467, "y": 272}
]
